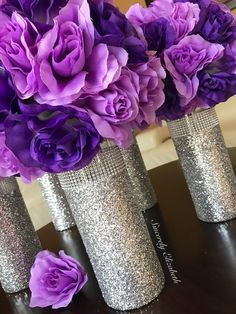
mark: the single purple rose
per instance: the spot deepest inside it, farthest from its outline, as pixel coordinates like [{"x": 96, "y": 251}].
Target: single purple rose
[
  {"x": 217, "y": 24},
  {"x": 55, "y": 279},
  {"x": 171, "y": 109},
  {"x": 18, "y": 39},
  {"x": 159, "y": 34},
  {"x": 8, "y": 99},
  {"x": 54, "y": 139},
  {"x": 184, "y": 18},
  {"x": 157, "y": 9},
  {"x": 114, "y": 29},
  {"x": 151, "y": 95},
  {"x": 216, "y": 88},
  {"x": 186, "y": 59},
  {"x": 115, "y": 109},
  {"x": 11, "y": 166},
  {"x": 62, "y": 54}
]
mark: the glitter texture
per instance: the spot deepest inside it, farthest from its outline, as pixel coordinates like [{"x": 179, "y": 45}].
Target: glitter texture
[
  {"x": 114, "y": 231},
  {"x": 206, "y": 164},
  {"x": 19, "y": 243},
  {"x": 142, "y": 187},
  {"x": 57, "y": 203}
]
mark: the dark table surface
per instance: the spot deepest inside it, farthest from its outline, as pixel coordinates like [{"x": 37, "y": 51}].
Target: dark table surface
[{"x": 199, "y": 259}]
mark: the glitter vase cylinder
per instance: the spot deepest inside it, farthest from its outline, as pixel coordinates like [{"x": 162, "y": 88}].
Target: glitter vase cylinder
[
  {"x": 206, "y": 165},
  {"x": 19, "y": 243},
  {"x": 57, "y": 203},
  {"x": 114, "y": 231},
  {"x": 142, "y": 187}
]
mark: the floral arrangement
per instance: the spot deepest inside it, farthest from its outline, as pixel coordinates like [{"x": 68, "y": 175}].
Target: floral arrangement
[
  {"x": 196, "y": 42},
  {"x": 72, "y": 73}
]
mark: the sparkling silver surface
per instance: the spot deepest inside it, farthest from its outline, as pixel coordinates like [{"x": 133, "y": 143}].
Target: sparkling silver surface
[
  {"x": 142, "y": 187},
  {"x": 206, "y": 164},
  {"x": 57, "y": 203},
  {"x": 19, "y": 243},
  {"x": 114, "y": 232}
]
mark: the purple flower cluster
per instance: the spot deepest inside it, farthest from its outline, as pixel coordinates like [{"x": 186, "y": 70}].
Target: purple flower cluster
[
  {"x": 73, "y": 72},
  {"x": 196, "y": 42}
]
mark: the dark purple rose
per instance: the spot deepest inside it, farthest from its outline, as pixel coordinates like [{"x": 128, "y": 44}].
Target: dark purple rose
[
  {"x": 159, "y": 34},
  {"x": 171, "y": 109},
  {"x": 115, "y": 109},
  {"x": 8, "y": 100},
  {"x": 114, "y": 29},
  {"x": 217, "y": 24},
  {"x": 54, "y": 139},
  {"x": 186, "y": 59},
  {"x": 40, "y": 12},
  {"x": 18, "y": 39},
  {"x": 217, "y": 87},
  {"x": 55, "y": 279}
]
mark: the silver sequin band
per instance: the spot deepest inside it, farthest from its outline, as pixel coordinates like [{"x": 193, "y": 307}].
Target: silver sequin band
[
  {"x": 206, "y": 164},
  {"x": 114, "y": 231},
  {"x": 142, "y": 187},
  {"x": 57, "y": 203},
  {"x": 19, "y": 243}
]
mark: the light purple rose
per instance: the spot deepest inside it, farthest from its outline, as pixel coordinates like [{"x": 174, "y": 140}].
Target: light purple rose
[
  {"x": 62, "y": 54},
  {"x": 157, "y": 9},
  {"x": 55, "y": 280},
  {"x": 151, "y": 95},
  {"x": 11, "y": 166},
  {"x": 18, "y": 39},
  {"x": 104, "y": 66},
  {"x": 184, "y": 18},
  {"x": 114, "y": 110},
  {"x": 186, "y": 59}
]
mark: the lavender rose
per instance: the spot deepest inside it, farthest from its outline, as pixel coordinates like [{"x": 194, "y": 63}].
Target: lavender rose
[
  {"x": 186, "y": 59},
  {"x": 114, "y": 29},
  {"x": 184, "y": 18},
  {"x": 18, "y": 39},
  {"x": 62, "y": 54},
  {"x": 115, "y": 109},
  {"x": 217, "y": 24},
  {"x": 151, "y": 95},
  {"x": 54, "y": 139},
  {"x": 55, "y": 279},
  {"x": 11, "y": 166}
]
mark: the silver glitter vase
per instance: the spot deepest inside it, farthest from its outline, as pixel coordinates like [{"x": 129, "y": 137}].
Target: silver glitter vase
[
  {"x": 114, "y": 231},
  {"x": 19, "y": 243},
  {"x": 57, "y": 203},
  {"x": 206, "y": 165},
  {"x": 142, "y": 188}
]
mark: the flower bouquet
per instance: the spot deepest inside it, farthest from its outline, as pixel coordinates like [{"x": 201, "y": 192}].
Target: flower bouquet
[
  {"x": 77, "y": 82},
  {"x": 196, "y": 42}
]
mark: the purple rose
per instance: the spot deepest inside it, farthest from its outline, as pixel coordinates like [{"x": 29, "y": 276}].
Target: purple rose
[
  {"x": 151, "y": 95},
  {"x": 11, "y": 166},
  {"x": 18, "y": 39},
  {"x": 55, "y": 279},
  {"x": 159, "y": 34},
  {"x": 171, "y": 109},
  {"x": 186, "y": 59},
  {"x": 217, "y": 24},
  {"x": 114, "y": 29},
  {"x": 62, "y": 54},
  {"x": 54, "y": 139},
  {"x": 115, "y": 109},
  {"x": 184, "y": 18},
  {"x": 157, "y": 9},
  {"x": 8, "y": 100}
]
